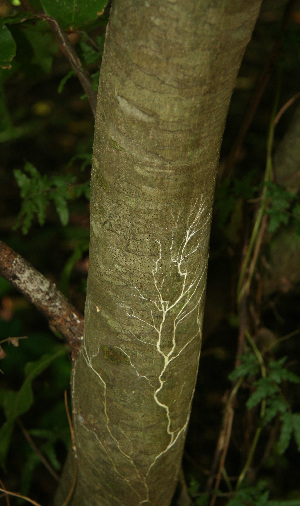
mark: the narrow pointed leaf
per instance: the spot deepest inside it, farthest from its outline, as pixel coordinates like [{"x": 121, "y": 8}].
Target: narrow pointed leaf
[{"x": 75, "y": 13}]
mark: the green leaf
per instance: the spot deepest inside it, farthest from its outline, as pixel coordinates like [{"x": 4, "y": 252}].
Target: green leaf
[
  {"x": 7, "y": 401},
  {"x": 203, "y": 500},
  {"x": 296, "y": 212},
  {"x": 7, "y": 46},
  {"x": 86, "y": 160},
  {"x": 82, "y": 189},
  {"x": 280, "y": 201},
  {"x": 44, "y": 45},
  {"x": 36, "y": 47},
  {"x": 37, "y": 191},
  {"x": 296, "y": 428},
  {"x": 74, "y": 13},
  {"x": 274, "y": 405},
  {"x": 291, "y": 502},
  {"x": 17, "y": 18},
  {"x": 194, "y": 486},
  {"x": 33, "y": 192},
  {"x": 5, "y": 437},
  {"x": 264, "y": 388},
  {"x": 286, "y": 432},
  {"x": 24, "y": 398},
  {"x": 41, "y": 433},
  {"x": 61, "y": 207},
  {"x": 28, "y": 468},
  {"x": 63, "y": 81},
  {"x": 278, "y": 373},
  {"x": 50, "y": 453},
  {"x": 5, "y": 287},
  {"x": 249, "y": 366},
  {"x": 224, "y": 201},
  {"x": 69, "y": 265},
  {"x": 251, "y": 495}
]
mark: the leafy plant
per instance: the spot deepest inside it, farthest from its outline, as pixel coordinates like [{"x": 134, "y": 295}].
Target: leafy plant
[
  {"x": 16, "y": 403},
  {"x": 37, "y": 191},
  {"x": 268, "y": 390},
  {"x": 282, "y": 208},
  {"x": 230, "y": 191},
  {"x": 257, "y": 495},
  {"x": 9, "y": 46}
]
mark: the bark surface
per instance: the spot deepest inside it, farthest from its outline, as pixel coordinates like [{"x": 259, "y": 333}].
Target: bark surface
[{"x": 166, "y": 80}]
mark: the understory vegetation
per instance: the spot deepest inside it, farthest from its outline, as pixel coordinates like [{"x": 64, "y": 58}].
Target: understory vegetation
[{"x": 243, "y": 444}]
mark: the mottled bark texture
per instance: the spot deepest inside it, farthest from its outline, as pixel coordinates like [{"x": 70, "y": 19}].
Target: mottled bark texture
[
  {"x": 167, "y": 75},
  {"x": 61, "y": 315}
]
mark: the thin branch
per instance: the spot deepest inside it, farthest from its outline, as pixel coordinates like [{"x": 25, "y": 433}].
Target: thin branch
[
  {"x": 73, "y": 59},
  {"x": 62, "y": 316},
  {"x": 37, "y": 451},
  {"x": 69, "y": 53},
  {"x": 285, "y": 107},
  {"x": 262, "y": 413},
  {"x": 15, "y": 494},
  {"x": 7, "y": 497},
  {"x": 223, "y": 442}
]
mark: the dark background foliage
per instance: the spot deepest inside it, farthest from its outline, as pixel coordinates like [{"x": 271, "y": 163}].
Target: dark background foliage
[{"x": 46, "y": 143}]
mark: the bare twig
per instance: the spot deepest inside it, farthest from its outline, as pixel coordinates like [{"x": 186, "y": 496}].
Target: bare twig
[
  {"x": 73, "y": 59},
  {"x": 6, "y": 497},
  {"x": 62, "y": 316},
  {"x": 15, "y": 494},
  {"x": 69, "y": 53},
  {"x": 223, "y": 442},
  {"x": 37, "y": 451},
  {"x": 285, "y": 107}
]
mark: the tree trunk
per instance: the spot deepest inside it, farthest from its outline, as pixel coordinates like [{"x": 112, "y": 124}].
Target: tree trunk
[{"x": 166, "y": 80}]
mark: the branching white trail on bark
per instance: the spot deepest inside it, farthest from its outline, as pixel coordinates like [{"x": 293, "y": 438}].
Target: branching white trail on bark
[{"x": 169, "y": 308}]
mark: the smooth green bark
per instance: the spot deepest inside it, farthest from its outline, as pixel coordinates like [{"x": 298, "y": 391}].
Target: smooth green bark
[{"x": 166, "y": 80}]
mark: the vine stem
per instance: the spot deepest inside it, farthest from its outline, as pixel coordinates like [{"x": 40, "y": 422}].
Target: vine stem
[
  {"x": 262, "y": 412},
  {"x": 223, "y": 441},
  {"x": 244, "y": 286},
  {"x": 263, "y": 81}
]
